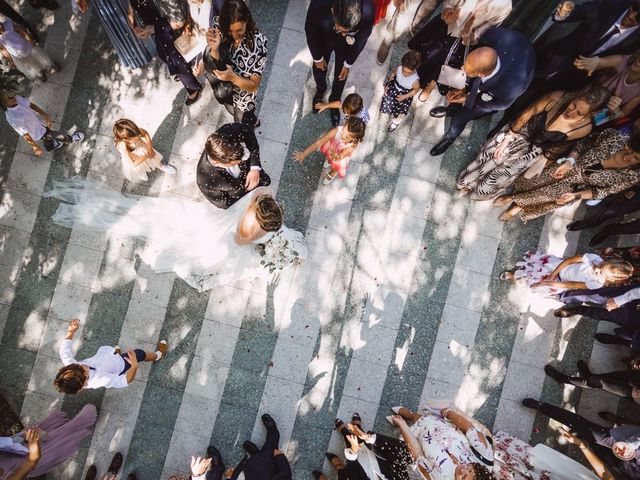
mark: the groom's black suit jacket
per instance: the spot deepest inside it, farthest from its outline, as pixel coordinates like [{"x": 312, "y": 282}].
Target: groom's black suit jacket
[{"x": 217, "y": 184}]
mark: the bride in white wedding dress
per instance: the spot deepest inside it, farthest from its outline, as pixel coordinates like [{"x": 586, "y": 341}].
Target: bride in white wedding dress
[{"x": 203, "y": 245}]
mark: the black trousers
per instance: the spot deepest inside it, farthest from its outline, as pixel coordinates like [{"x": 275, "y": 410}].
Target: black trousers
[
  {"x": 215, "y": 473},
  {"x": 626, "y": 316},
  {"x": 460, "y": 116},
  {"x": 320, "y": 76},
  {"x": 584, "y": 429},
  {"x": 620, "y": 383},
  {"x": 612, "y": 209},
  {"x": 51, "y": 136}
]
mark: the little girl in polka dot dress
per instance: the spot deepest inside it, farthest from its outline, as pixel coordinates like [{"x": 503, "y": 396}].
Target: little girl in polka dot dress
[
  {"x": 337, "y": 145},
  {"x": 401, "y": 87}
]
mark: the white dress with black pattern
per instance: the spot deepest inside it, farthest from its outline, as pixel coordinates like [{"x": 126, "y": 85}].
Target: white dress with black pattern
[{"x": 247, "y": 61}]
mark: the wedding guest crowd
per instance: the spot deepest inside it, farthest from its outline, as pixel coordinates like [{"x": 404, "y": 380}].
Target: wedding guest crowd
[{"x": 567, "y": 112}]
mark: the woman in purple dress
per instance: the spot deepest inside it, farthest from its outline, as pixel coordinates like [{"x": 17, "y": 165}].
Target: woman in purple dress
[{"x": 38, "y": 449}]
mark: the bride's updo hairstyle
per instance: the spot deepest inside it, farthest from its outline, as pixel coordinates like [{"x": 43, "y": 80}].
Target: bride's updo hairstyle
[
  {"x": 269, "y": 214},
  {"x": 124, "y": 129}
]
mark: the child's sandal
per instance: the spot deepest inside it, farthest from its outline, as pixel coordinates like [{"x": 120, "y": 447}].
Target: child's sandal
[{"x": 329, "y": 177}]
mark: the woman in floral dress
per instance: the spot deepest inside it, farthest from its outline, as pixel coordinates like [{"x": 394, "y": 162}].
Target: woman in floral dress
[{"x": 447, "y": 444}]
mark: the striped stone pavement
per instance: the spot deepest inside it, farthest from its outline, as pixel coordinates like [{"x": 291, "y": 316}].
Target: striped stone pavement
[{"x": 399, "y": 302}]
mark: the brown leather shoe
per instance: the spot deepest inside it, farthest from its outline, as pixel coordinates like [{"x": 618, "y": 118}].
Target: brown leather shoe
[{"x": 162, "y": 347}]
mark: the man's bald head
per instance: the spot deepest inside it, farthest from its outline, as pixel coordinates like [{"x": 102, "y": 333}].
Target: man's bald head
[{"x": 481, "y": 62}]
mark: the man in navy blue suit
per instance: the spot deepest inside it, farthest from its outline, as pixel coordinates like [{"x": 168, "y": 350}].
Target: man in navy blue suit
[
  {"x": 340, "y": 26},
  {"x": 498, "y": 71}
]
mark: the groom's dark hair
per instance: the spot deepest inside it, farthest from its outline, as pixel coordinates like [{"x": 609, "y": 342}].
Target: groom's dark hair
[{"x": 223, "y": 149}]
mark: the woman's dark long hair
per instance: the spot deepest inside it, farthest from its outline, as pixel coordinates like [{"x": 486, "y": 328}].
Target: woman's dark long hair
[
  {"x": 233, "y": 11},
  {"x": 596, "y": 96}
]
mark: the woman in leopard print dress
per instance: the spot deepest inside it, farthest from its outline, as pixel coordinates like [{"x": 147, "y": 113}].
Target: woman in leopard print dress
[{"x": 601, "y": 165}]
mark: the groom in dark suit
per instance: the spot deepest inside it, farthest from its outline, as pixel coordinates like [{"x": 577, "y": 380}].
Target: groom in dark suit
[
  {"x": 229, "y": 166},
  {"x": 499, "y": 70}
]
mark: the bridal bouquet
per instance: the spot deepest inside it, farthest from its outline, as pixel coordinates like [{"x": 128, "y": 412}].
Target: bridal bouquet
[{"x": 282, "y": 250}]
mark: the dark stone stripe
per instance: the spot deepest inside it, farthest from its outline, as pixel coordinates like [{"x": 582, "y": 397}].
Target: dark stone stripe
[
  {"x": 163, "y": 393},
  {"x": 499, "y": 321}
]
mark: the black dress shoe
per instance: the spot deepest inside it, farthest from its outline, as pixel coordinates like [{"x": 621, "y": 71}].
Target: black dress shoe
[
  {"x": 609, "y": 339},
  {"x": 556, "y": 374},
  {"x": 132, "y": 476},
  {"x": 579, "y": 225},
  {"x": 191, "y": 100},
  {"x": 216, "y": 457},
  {"x": 116, "y": 463},
  {"x": 250, "y": 447},
  {"x": 438, "y": 112},
  {"x": 583, "y": 369},
  {"x": 567, "y": 310},
  {"x": 531, "y": 403},
  {"x": 335, "y": 117},
  {"x": 317, "y": 98},
  {"x": 269, "y": 422},
  {"x": 440, "y": 147},
  {"x": 92, "y": 473},
  {"x": 598, "y": 238}
]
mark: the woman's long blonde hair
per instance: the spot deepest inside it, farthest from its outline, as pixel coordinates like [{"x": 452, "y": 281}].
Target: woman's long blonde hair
[
  {"x": 124, "y": 130},
  {"x": 616, "y": 271}
]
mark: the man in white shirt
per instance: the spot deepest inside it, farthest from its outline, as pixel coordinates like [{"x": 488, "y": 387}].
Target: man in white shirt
[
  {"x": 34, "y": 124},
  {"x": 107, "y": 368}
]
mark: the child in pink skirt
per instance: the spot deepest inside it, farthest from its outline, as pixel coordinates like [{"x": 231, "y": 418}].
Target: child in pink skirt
[{"x": 337, "y": 145}]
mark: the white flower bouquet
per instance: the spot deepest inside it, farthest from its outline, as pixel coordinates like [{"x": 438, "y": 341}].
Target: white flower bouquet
[{"x": 283, "y": 249}]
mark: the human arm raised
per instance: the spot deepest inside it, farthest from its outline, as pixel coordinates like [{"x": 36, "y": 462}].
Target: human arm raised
[{"x": 299, "y": 156}]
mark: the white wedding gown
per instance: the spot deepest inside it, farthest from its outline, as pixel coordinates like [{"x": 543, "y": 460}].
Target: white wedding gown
[{"x": 192, "y": 239}]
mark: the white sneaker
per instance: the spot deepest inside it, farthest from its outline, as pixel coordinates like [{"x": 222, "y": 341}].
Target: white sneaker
[
  {"x": 168, "y": 169},
  {"x": 326, "y": 164},
  {"x": 77, "y": 137}
]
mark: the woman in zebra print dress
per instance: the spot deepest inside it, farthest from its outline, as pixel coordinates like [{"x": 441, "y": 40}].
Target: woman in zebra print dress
[{"x": 543, "y": 132}]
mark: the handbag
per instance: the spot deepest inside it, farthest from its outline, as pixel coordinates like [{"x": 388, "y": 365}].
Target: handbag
[
  {"x": 453, "y": 77},
  {"x": 223, "y": 91}
]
